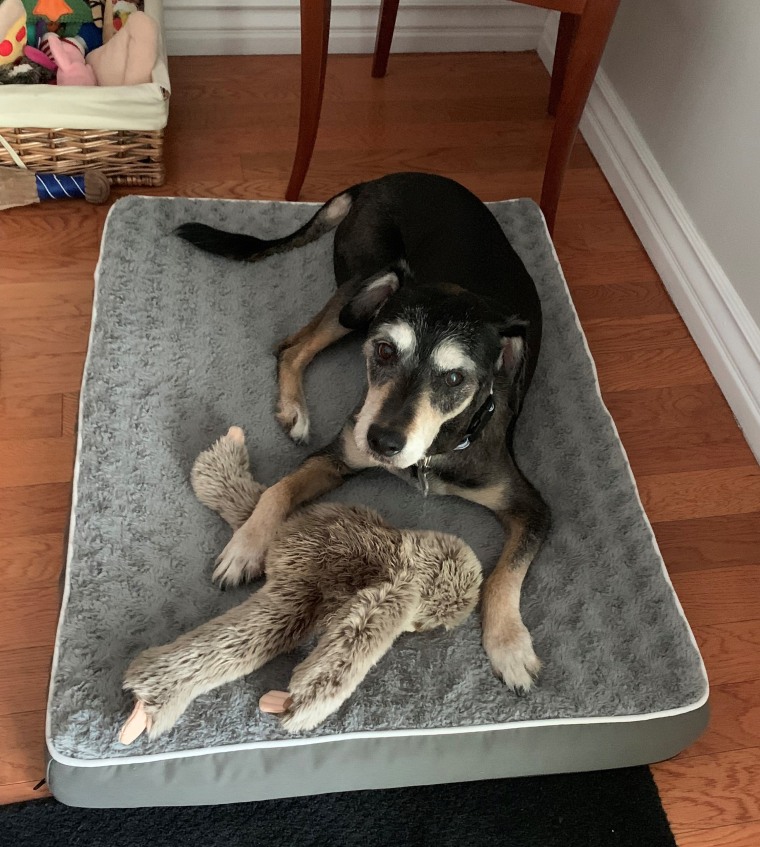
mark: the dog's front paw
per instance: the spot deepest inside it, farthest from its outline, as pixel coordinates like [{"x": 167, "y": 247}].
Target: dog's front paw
[
  {"x": 293, "y": 417},
  {"x": 241, "y": 560},
  {"x": 513, "y": 659}
]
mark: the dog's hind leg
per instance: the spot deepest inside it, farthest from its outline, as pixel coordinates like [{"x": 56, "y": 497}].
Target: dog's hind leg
[{"x": 294, "y": 355}]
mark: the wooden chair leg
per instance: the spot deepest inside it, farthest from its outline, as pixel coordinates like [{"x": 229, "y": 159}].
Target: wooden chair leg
[
  {"x": 585, "y": 54},
  {"x": 385, "y": 25},
  {"x": 568, "y": 26},
  {"x": 315, "y": 32}
]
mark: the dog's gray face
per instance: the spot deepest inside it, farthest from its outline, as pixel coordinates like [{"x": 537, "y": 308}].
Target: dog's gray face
[{"x": 425, "y": 366}]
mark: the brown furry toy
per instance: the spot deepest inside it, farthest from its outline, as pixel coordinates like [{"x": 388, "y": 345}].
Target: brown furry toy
[
  {"x": 335, "y": 569},
  {"x": 25, "y": 72}
]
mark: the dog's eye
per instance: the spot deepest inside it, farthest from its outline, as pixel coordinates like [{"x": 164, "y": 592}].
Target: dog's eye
[
  {"x": 453, "y": 378},
  {"x": 385, "y": 352}
]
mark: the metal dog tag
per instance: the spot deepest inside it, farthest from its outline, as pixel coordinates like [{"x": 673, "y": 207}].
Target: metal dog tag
[{"x": 423, "y": 469}]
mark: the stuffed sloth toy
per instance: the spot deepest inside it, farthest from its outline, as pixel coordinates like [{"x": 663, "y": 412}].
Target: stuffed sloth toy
[{"x": 335, "y": 569}]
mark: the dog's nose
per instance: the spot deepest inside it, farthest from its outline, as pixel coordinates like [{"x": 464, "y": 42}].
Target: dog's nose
[{"x": 385, "y": 442}]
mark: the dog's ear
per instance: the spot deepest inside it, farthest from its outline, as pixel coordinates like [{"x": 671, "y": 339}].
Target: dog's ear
[
  {"x": 368, "y": 299},
  {"x": 511, "y": 361},
  {"x": 512, "y": 334}
]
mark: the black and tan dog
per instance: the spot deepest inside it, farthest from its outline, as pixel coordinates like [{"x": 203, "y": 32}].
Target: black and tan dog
[{"x": 453, "y": 326}]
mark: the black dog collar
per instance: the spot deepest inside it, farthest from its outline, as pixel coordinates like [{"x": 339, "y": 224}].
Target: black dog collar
[
  {"x": 478, "y": 422},
  {"x": 477, "y": 425}
]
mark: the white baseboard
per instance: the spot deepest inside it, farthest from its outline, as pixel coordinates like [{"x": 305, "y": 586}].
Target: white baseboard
[
  {"x": 716, "y": 317},
  {"x": 266, "y": 27}
]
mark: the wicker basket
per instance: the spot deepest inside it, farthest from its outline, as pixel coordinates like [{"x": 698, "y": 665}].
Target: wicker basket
[
  {"x": 126, "y": 157},
  {"x": 123, "y": 131}
]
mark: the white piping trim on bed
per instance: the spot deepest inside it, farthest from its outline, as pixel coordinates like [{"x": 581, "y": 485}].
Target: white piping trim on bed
[
  {"x": 367, "y": 734},
  {"x": 371, "y": 734}
]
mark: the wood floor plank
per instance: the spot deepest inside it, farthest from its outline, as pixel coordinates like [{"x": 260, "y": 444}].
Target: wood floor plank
[
  {"x": 395, "y": 110},
  {"x": 22, "y": 750},
  {"x": 584, "y": 186},
  {"x": 59, "y": 373},
  {"x": 666, "y": 366},
  {"x": 730, "y": 651},
  {"x": 36, "y": 461},
  {"x": 70, "y": 414},
  {"x": 38, "y": 416},
  {"x": 618, "y": 300},
  {"x": 578, "y": 263},
  {"x": 278, "y": 102},
  {"x": 710, "y": 791},
  {"x": 475, "y": 158},
  {"x": 24, "y": 674},
  {"x": 697, "y": 494},
  {"x": 64, "y": 244},
  {"x": 735, "y": 720},
  {"x": 31, "y": 561},
  {"x": 19, "y": 791},
  {"x": 740, "y": 835},
  {"x": 28, "y": 617},
  {"x": 709, "y": 542},
  {"x": 616, "y": 335},
  {"x": 349, "y": 76},
  {"x": 698, "y": 447},
  {"x": 383, "y": 137},
  {"x": 30, "y": 336},
  {"x": 34, "y": 509},
  {"x": 723, "y": 596},
  {"x": 68, "y": 295},
  {"x": 671, "y": 407},
  {"x": 603, "y": 233},
  {"x": 219, "y": 187}
]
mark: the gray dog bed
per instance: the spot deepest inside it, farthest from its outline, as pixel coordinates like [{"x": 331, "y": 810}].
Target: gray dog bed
[{"x": 180, "y": 349}]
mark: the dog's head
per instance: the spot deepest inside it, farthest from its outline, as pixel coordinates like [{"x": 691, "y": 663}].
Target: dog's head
[{"x": 432, "y": 356}]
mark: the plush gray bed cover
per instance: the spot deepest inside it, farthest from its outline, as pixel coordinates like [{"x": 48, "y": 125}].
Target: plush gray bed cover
[{"x": 180, "y": 349}]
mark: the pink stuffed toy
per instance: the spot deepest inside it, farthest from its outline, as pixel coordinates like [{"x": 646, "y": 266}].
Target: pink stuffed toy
[{"x": 72, "y": 69}]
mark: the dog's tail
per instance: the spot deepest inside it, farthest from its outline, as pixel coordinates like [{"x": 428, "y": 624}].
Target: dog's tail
[{"x": 248, "y": 248}]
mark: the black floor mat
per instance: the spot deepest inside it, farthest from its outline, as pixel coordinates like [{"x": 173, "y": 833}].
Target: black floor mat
[{"x": 616, "y": 808}]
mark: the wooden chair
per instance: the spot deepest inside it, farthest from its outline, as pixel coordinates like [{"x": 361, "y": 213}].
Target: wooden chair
[{"x": 583, "y": 30}]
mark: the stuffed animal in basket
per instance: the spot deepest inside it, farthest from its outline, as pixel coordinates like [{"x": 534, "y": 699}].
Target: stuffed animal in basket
[
  {"x": 337, "y": 569},
  {"x": 13, "y": 33}
]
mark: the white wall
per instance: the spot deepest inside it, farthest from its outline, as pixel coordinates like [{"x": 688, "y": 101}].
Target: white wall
[
  {"x": 204, "y": 27},
  {"x": 688, "y": 72}
]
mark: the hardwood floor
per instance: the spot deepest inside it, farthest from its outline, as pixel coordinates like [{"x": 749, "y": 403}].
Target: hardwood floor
[{"x": 481, "y": 119}]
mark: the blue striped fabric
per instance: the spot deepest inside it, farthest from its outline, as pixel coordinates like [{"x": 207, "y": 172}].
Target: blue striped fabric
[{"x": 55, "y": 187}]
